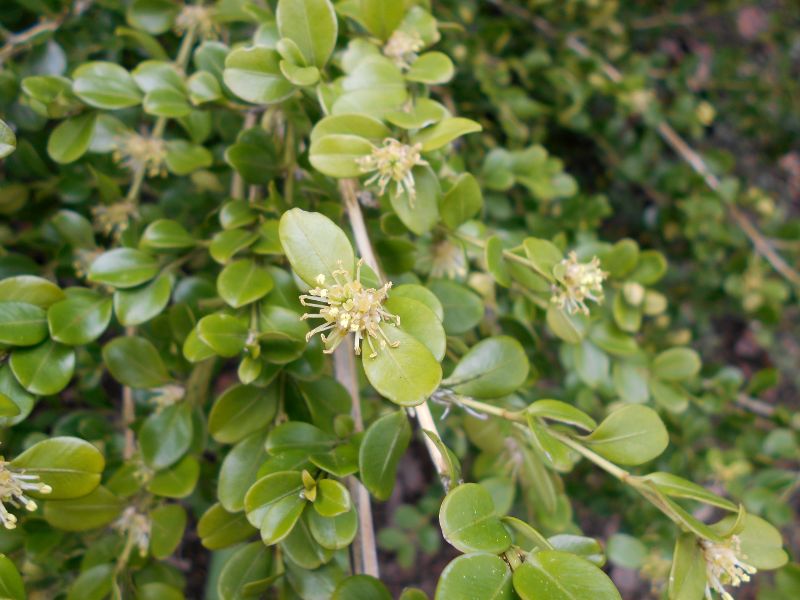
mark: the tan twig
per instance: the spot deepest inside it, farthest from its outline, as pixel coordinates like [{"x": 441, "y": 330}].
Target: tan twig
[
  {"x": 364, "y": 551},
  {"x": 673, "y": 139}
]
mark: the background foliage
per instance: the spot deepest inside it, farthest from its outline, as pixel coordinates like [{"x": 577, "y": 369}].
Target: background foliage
[{"x": 175, "y": 179}]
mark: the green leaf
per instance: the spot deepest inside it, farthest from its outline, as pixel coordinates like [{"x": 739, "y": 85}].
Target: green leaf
[
  {"x": 314, "y": 245},
  {"x": 297, "y": 435},
  {"x": 71, "y": 138},
  {"x": 562, "y": 412},
  {"x": 554, "y": 575},
  {"x": 184, "y": 157},
  {"x": 11, "y": 585},
  {"x": 274, "y": 503},
  {"x": 669, "y": 396},
  {"x": 311, "y": 25},
  {"x": 375, "y": 87},
  {"x": 379, "y": 17},
  {"x": 139, "y": 305},
  {"x": 242, "y": 282},
  {"x": 153, "y": 16},
  {"x": 335, "y": 155},
  {"x": 105, "y": 85},
  {"x": 687, "y": 577},
  {"x": 156, "y": 590},
  {"x": 469, "y": 522},
  {"x": 219, "y": 528},
  {"x": 299, "y": 76},
  {"x": 166, "y": 234},
  {"x": 44, "y": 369},
  {"x": 585, "y": 547},
  {"x": 678, "y": 487},
  {"x": 676, "y": 364},
  {"x": 224, "y": 334},
  {"x": 135, "y": 362},
  {"x": 463, "y": 308},
  {"x": 333, "y": 533},
  {"x": 544, "y": 255},
  {"x": 357, "y": 125},
  {"x": 238, "y": 471},
  {"x": 254, "y": 75},
  {"x": 123, "y": 268},
  {"x": 421, "y": 214},
  {"x": 462, "y": 201},
  {"x": 166, "y": 436},
  {"x": 631, "y": 435},
  {"x": 22, "y": 324},
  {"x": 478, "y": 576},
  {"x": 432, "y": 68},
  {"x": 759, "y": 542},
  {"x": 421, "y": 322},
  {"x": 651, "y": 267},
  {"x": 11, "y": 392},
  {"x": 80, "y": 319},
  {"x": 332, "y": 499},
  {"x": 384, "y": 444},
  {"x": 248, "y": 564},
  {"x": 96, "y": 509},
  {"x": 406, "y": 374},
  {"x": 444, "y": 132},
  {"x": 30, "y": 289},
  {"x": 301, "y": 547},
  {"x": 178, "y": 481},
  {"x": 203, "y": 87},
  {"x": 361, "y": 587},
  {"x": 94, "y": 583},
  {"x": 8, "y": 141},
  {"x": 423, "y": 112},
  {"x": 166, "y": 102},
  {"x": 69, "y": 465},
  {"x": 167, "y": 525},
  {"x": 241, "y": 410},
  {"x": 225, "y": 244},
  {"x": 493, "y": 368}
]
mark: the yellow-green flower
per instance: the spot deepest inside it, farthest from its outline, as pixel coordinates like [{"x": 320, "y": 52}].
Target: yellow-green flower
[
  {"x": 393, "y": 161},
  {"x": 13, "y": 486},
  {"x": 135, "y": 526},
  {"x": 346, "y": 306},
  {"x": 577, "y": 283},
  {"x": 402, "y": 47},
  {"x": 725, "y": 566},
  {"x": 138, "y": 152}
]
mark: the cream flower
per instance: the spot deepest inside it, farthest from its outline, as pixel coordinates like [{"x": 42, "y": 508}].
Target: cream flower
[
  {"x": 346, "y": 306},
  {"x": 577, "y": 283},
  {"x": 393, "y": 162},
  {"x": 725, "y": 566},
  {"x": 197, "y": 17},
  {"x": 402, "y": 47},
  {"x": 13, "y": 485},
  {"x": 113, "y": 218},
  {"x": 136, "y": 527},
  {"x": 138, "y": 152}
]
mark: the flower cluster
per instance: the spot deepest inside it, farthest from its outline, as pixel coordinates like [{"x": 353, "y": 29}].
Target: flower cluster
[
  {"x": 346, "y": 306},
  {"x": 724, "y": 566},
  {"x": 13, "y": 485},
  {"x": 136, "y": 527},
  {"x": 402, "y": 47},
  {"x": 577, "y": 282},
  {"x": 199, "y": 18},
  {"x": 393, "y": 162},
  {"x": 138, "y": 152},
  {"x": 113, "y": 218}
]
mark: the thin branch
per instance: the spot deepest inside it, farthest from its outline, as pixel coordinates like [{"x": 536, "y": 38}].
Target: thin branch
[
  {"x": 365, "y": 554},
  {"x": 672, "y": 138}
]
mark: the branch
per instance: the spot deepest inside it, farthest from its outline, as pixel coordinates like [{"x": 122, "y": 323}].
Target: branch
[
  {"x": 672, "y": 138},
  {"x": 365, "y": 555}
]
